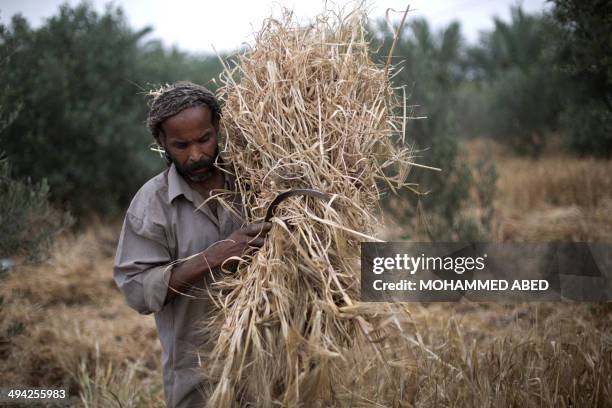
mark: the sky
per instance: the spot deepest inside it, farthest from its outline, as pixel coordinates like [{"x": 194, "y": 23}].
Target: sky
[{"x": 198, "y": 25}]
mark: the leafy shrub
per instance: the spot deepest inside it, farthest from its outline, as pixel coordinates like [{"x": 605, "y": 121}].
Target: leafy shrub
[
  {"x": 80, "y": 122},
  {"x": 581, "y": 50},
  {"x": 520, "y": 90},
  {"x": 28, "y": 222},
  {"x": 80, "y": 79},
  {"x": 587, "y": 129},
  {"x": 432, "y": 69}
]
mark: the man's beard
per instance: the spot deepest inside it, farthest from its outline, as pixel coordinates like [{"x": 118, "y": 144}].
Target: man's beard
[{"x": 188, "y": 171}]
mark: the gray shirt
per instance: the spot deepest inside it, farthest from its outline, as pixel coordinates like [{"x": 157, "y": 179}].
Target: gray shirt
[{"x": 163, "y": 224}]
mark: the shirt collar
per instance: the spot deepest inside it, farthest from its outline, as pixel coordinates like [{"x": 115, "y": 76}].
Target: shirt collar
[{"x": 177, "y": 185}]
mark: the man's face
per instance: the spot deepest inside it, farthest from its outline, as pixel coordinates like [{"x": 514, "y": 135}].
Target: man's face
[{"x": 190, "y": 141}]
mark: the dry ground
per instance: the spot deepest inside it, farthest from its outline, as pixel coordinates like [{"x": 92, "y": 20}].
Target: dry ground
[
  {"x": 557, "y": 197},
  {"x": 63, "y": 322}
]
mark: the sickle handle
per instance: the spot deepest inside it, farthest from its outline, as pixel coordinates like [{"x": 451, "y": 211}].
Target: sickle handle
[{"x": 295, "y": 192}]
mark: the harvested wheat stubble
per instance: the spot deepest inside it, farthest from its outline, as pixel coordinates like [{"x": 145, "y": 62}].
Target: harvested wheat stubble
[{"x": 306, "y": 107}]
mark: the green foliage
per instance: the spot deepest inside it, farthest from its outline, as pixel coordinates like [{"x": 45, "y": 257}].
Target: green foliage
[
  {"x": 78, "y": 126},
  {"x": 485, "y": 179},
  {"x": 588, "y": 128},
  {"x": 520, "y": 90},
  {"x": 521, "y": 108},
  {"x": 80, "y": 80},
  {"x": 159, "y": 65},
  {"x": 432, "y": 67},
  {"x": 28, "y": 222},
  {"x": 15, "y": 328},
  {"x": 582, "y": 50},
  {"x": 537, "y": 74},
  {"x": 583, "y": 46}
]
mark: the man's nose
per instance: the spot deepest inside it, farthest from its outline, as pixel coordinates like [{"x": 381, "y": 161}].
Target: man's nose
[{"x": 196, "y": 154}]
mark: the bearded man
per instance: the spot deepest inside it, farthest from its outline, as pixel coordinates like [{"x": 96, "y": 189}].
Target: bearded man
[{"x": 168, "y": 221}]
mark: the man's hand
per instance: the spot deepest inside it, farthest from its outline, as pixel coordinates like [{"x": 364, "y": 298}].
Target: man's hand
[
  {"x": 224, "y": 253},
  {"x": 240, "y": 242}
]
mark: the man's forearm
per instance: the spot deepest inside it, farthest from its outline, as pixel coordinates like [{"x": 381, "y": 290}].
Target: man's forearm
[
  {"x": 187, "y": 273},
  {"x": 230, "y": 249}
]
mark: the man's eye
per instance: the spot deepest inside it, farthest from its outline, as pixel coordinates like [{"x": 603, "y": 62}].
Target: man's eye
[
  {"x": 204, "y": 139},
  {"x": 180, "y": 145}
]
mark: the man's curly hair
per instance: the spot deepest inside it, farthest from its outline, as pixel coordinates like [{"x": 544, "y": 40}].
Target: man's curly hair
[{"x": 171, "y": 99}]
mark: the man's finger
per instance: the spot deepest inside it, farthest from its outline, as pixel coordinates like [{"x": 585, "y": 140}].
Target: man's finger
[
  {"x": 257, "y": 242},
  {"x": 258, "y": 228}
]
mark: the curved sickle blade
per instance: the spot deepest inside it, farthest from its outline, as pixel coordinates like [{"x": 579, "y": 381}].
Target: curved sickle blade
[{"x": 295, "y": 192}]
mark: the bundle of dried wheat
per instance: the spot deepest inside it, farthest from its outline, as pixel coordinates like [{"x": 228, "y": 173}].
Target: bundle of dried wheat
[{"x": 306, "y": 107}]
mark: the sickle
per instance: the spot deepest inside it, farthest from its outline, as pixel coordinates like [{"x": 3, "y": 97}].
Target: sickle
[{"x": 295, "y": 192}]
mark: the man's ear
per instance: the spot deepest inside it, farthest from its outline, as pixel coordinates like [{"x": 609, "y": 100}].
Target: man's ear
[{"x": 161, "y": 138}]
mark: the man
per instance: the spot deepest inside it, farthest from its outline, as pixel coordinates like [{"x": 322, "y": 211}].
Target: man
[{"x": 166, "y": 222}]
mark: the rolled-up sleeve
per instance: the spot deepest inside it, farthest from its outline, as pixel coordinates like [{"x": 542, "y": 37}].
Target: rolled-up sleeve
[{"x": 142, "y": 265}]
